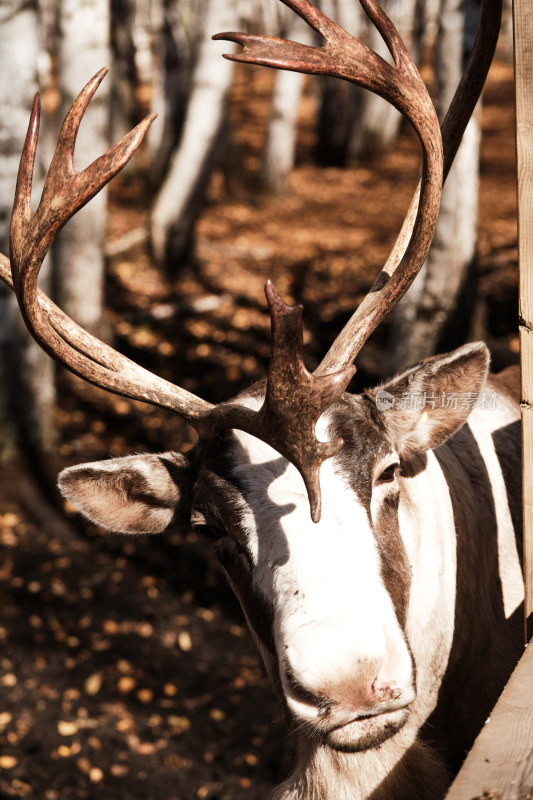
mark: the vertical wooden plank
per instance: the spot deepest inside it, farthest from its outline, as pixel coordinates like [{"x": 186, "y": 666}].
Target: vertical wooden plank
[
  {"x": 523, "y": 52},
  {"x": 500, "y": 764}
]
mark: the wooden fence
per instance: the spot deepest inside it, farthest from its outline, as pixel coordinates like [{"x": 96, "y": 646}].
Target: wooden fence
[{"x": 500, "y": 765}]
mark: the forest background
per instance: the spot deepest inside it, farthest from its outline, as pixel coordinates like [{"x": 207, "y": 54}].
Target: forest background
[{"x": 126, "y": 667}]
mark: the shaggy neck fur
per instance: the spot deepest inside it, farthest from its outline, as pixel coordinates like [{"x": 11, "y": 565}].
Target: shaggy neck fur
[{"x": 399, "y": 768}]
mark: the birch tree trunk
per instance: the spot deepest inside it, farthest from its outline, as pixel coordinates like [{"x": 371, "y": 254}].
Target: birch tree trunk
[
  {"x": 26, "y": 372},
  {"x": 336, "y": 104},
  {"x": 375, "y": 121},
  {"x": 278, "y": 156},
  {"x": 122, "y": 77},
  {"x": 176, "y": 28},
  {"x": 435, "y": 311},
  {"x": 78, "y": 253},
  {"x": 176, "y": 205}
]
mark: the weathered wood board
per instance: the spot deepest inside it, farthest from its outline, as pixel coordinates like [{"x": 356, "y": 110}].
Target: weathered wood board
[
  {"x": 500, "y": 764},
  {"x": 523, "y": 51}
]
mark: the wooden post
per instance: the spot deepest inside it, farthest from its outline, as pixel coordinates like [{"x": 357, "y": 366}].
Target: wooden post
[
  {"x": 500, "y": 764},
  {"x": 523, "y": 52}
]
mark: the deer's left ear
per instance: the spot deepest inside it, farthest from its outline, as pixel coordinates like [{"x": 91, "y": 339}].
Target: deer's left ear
[
  {"x": 135, "y": 494},
  {"x": 421, "y": 408}
]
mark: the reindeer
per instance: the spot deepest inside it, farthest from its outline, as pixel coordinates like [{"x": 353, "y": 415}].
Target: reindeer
[{"x": 388, "y": 617}]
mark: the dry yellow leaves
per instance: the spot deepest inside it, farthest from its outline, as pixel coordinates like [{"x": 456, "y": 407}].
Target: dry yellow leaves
[
  {"x": 8, "y": 762},
  {"x": 166, "y": 349},
  {"x": 69, "y": 508},
  {"x": 126, "y": 684},
  {"x": 93, "y": 684},
  {"x": 145, "y": 630},
  {"x": 217, "y": 714},
  {"x": 66, "y": 728},
  {"x": 83, "y": 764},
  {"x": 125, "y": 725},
  {"x": 5, "y": 719},
  {"x": 95, "y": 774},
  {"x": 9, "y": 519},
  {"x": 146, "y": 748},
  {"x": 121, "y": 407},
  {"x": 179, "y": 724},
  {"x": 145, "y": 695},
  {"x": 185, "y": 641},
  {"x": 119, "y": 770}
]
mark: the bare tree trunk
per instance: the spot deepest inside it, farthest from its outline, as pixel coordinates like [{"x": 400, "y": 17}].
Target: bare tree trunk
[
  {"x": 376, "y": 122},
  {"x": 337, "y": 98},
  {"x": 78, "y": 253},
  {"x": 278, "y": 156},
  {"x": 26, "y": 372},
  {"x": 123, "y": 80},
  {"x": 431, "y": 315},
  {"x": 178, "y": 200},
  {"x": 177, "y": 27}
]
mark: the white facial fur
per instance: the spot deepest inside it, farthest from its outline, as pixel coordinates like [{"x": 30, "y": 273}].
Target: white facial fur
[{"x": 335, "y": 628}]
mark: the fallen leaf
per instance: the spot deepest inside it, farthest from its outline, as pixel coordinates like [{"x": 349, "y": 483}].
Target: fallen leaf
[
  {"x": 66, "y": 728},
  {"x": 93, "y": 684},
  {"x": 185, "y": 641}
]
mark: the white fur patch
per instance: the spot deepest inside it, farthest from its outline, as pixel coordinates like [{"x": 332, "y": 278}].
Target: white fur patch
[
  {"x": 332, "y": 612},
  {"x": 483, "y": 424}
]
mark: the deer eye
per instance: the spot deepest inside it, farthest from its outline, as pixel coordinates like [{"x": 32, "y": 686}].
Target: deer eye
[
  {"x": 210, "y": 532},
  {"x": 388, "y": 475}
]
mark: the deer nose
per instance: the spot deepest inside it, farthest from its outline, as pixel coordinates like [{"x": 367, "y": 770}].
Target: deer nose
[
  {"x": 356, "y": 696},
  {"x": 297, "y": 694}
]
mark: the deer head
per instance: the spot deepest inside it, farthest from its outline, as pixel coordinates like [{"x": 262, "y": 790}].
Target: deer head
[{"x": 294, "y": 398}]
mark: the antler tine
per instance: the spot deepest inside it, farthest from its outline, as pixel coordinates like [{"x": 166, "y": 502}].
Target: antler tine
[
  {"x": 290, "y": 386},
  {"x": 65, "y": 192},
  {"x": 344, "y": 56}
]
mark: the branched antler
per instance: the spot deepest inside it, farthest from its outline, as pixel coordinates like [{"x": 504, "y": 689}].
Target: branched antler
[
  {"x": 64, "y": 193},
  {"x": 295, "y": 399},
  {"x": 290, "y": 386},
  {"x": 344, "y": 56}
]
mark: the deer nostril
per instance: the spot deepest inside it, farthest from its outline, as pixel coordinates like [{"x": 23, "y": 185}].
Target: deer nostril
[
  {"x": 303, "y": 695},
  {"x": 386, "y": 691}
]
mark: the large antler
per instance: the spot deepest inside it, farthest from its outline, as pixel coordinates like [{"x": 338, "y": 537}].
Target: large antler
[
  {"x": 294, "y": 398},
  {"x": 350, "y": 340},
  {"x": 65, "y": 192},
  {"x": 291, "y": 425},
  {"x": 344, "y": 56}
]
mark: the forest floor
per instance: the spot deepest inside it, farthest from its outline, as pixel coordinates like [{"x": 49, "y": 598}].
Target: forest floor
[{"x": 126, "y": 670}]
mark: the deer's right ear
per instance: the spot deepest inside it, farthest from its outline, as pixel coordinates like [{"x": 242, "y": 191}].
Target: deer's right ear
[
  {"x": 135, "y": 494},
  {"x": 439, "y": 394}
]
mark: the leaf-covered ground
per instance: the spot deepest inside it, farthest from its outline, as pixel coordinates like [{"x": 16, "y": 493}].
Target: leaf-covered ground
[{"x": 126, "y": 670}]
